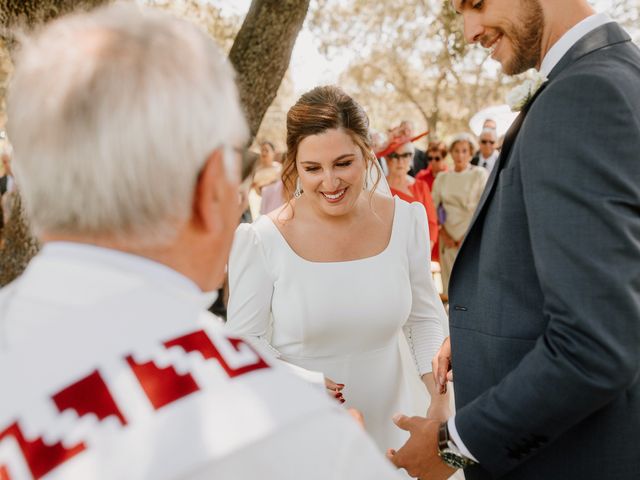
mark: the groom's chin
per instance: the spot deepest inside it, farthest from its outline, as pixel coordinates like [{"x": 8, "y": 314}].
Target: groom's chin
[
  {"x": 518, "y": 63},
  {"x": 513, "y": 67}
]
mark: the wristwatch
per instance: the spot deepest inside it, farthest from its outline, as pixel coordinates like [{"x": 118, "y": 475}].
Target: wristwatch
[{"x": 449, "y": 452}]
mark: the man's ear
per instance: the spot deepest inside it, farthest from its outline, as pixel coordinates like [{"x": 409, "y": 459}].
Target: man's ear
[{"x": 208, "y": 194}]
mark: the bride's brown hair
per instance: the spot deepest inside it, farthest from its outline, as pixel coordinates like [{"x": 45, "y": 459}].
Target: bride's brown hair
[{"x": 315, "y": 112}]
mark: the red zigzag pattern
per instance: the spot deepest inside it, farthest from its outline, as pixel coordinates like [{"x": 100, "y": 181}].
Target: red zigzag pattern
[{"x": 91, "y": 395}]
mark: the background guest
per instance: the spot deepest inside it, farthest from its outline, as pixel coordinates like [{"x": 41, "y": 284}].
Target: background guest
[
  {"x": 408, "y": 188},
  {"x": 456, "y": 195},
  {"x": 266, "y": 171},
  {"x": 487, "y": 154},
  {"x": 436, "y": 156},
  {"x": 272, "y": 197},
  {"x": 490, "y": 123},
  {"x": 419, "y": 156}
]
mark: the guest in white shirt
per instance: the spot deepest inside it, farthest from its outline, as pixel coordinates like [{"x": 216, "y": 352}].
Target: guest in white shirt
[
  {"x": 110, "y": 365},
  {"x": 487, "y": 155}
]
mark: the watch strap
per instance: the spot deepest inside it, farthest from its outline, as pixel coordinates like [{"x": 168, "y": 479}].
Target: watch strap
[{"x": 449, "y": 452}]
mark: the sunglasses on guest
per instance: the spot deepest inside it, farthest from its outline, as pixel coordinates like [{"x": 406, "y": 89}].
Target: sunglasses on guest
[
  {"x": 434, "y": 159},
  {"x": 487, "y": 142},
  {"x": 400, "y": 156}
]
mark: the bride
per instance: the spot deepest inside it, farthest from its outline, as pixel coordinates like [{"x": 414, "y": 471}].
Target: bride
[{"x": 332, "y": 279}]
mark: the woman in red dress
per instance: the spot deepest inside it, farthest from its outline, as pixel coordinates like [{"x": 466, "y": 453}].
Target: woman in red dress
[
  {"x": 409, "y": 189},
  {"x": 436, "y": 154}
]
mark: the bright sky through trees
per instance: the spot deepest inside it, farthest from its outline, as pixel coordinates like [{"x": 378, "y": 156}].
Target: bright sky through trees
[{"x": 308, "y": 67}]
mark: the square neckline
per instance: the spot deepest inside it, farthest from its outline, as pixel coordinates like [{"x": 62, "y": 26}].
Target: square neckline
[{"x": 363, "y": 259}]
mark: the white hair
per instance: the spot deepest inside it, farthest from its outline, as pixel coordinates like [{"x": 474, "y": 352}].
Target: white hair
[
  {"x": 112, "y": 115},
  {"x": 489, "y": 131}
]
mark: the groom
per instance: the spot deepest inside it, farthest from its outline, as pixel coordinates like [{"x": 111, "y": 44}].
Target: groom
[{"x": 545, "y": 333}]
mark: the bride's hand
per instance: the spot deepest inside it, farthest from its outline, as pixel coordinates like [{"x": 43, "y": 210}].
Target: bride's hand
[
  {"x": 441, "y": 366},
  {"x": 334, "y": 389}
]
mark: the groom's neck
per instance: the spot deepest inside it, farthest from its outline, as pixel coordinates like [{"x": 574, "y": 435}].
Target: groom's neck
[{"x": 559, "y": 18}]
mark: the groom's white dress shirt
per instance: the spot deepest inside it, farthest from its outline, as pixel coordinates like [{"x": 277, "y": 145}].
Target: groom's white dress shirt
[
  {"x": 550, "y": 60},
  {"x": 111, "y": 368}
]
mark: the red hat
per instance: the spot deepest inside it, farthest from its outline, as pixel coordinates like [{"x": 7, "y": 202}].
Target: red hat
[{"x": 396, "y": 142}]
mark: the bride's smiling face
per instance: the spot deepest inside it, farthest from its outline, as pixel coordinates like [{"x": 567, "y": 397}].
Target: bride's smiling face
[{"x": 332, "y": 170}]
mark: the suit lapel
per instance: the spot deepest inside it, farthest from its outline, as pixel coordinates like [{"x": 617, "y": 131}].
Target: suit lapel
[{"x": 502, "y": 160}]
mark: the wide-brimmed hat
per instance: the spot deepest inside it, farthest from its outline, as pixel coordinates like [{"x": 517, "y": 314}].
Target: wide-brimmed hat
[{"x": 397, "y": 142}]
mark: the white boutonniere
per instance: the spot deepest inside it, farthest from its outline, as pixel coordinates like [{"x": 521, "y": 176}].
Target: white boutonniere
[{"x": 522, "y": 94}]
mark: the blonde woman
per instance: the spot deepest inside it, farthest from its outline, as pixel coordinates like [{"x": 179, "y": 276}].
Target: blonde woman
[{"x": 456, "y": 195}]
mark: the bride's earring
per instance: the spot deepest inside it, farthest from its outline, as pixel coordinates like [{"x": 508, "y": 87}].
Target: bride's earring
[
  {"x": 365, "y": 184},
  {"x": 298, "y": 192}
]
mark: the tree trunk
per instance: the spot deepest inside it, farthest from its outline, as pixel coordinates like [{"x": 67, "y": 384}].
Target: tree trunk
[
  {"x": 29, "y": 13},
  {"x": 261, "y": 53},
  {"x": 18, "y": 246}
]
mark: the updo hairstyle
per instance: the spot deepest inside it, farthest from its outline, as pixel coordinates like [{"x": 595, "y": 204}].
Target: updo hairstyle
[{"x": 321, "y": 109}]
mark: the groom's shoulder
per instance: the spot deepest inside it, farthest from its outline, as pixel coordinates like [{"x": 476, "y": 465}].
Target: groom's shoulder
[
  {"x": 617, "y": 64},
  {"x": 605, "y": 77}
]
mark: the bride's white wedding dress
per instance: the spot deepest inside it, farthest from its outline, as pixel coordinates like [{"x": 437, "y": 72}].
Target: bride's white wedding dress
[{"x": 345, "y": 319}]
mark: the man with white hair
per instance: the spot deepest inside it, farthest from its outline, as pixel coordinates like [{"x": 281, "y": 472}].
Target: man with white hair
[
  {"x": 110, "y": 365},
  {"x": 487, "y": 154}
]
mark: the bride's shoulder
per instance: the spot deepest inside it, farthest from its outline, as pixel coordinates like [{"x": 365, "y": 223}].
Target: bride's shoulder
[
  {"x": 259, "y": 231},
  {"x": 281, "y": 215},
  {"x": 406, "y": 212},
  {"x": 383, "y": 205}
]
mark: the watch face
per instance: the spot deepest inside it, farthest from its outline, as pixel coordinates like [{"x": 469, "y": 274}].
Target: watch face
[{"x": 454, "y": 460}]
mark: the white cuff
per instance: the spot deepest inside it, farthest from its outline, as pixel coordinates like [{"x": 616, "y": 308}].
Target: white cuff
[{"x": 453, "y": 433}]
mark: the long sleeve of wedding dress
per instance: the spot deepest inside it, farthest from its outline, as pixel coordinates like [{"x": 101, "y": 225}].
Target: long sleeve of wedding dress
[
  {"x": 249, "y": 309},
  {"x": 251, "y": 286},
  {"x": 426, "y": 326}
]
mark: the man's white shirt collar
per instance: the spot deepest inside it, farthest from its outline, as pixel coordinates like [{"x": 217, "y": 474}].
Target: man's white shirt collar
[
  {"x": 127, "y": 261},
  {"x": 144, "y": 267},
  {"x": 569, "y": 39}
]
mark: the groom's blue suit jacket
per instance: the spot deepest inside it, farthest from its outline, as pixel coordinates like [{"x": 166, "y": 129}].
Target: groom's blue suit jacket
[{"x": 545, "y": 293}]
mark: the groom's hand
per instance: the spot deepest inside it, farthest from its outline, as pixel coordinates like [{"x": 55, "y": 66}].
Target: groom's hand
[
  {"x": 419, "y": 456},
  {"x": 441, "y": 366}
]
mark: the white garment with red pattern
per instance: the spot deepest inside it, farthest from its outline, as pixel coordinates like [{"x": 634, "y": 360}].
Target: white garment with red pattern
[{"x": 110, "y": 368}]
